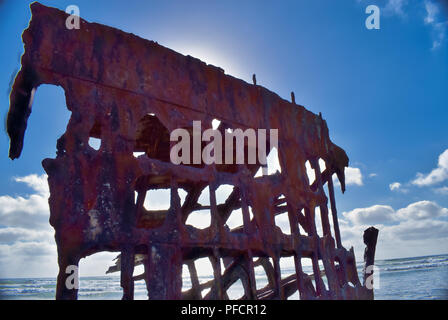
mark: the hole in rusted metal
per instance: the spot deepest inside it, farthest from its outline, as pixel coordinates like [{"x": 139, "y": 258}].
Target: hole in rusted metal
[
  {"x": 234, "y": 291},
  {"x": 215, "y": 124},
  {"x": 204, "y": 198},
  {"x": 157, "y": 199},
  {"x": 282, "y": 221},
  {"x": 138, "y": 154},
  {"x": 323, "y": 274},
  {"x": 152, "y": 138},
  {"x": 235, "y": 219},
  {"x": 205, "y": 274},
  {"x": 186, "y": 278},
  {"x": 310, "y": 172},
  {"x": 223, "y": 192},
  {"x": 261, "y": 277},
  {"x": 318, "y": 221},
  {"x": 302, "y": 221},
  {"x": 200, "y": 219},
  {"x": 152, "y": 208},
  {"x": 322, "y": 165},
  {"x": 95, "y": 143}
]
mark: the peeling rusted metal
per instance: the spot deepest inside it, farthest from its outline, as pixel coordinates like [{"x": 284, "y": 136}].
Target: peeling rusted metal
[{"x": 130, "y": 93}]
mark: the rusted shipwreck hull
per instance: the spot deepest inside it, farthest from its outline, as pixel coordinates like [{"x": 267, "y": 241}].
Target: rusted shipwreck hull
[{"x": 130, "y": 93}]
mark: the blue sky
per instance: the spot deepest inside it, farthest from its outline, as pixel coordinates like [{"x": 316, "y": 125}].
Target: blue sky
[{"x": 382, "y": 92}]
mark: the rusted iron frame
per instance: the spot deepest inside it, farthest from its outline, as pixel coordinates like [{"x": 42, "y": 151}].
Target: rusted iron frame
[{"x": 236, "y": 248}]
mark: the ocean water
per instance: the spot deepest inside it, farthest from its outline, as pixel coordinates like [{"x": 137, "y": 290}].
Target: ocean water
[{"x": 408, "y": 278}]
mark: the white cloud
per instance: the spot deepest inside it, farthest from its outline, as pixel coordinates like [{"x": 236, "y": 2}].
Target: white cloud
[
  {"x": 30, "y": 211},
  {"x": 35, "y": 182},
  {"x": 421, "y": 210},
  {"x": 437, "y": 175},
  {"x": 440, "y": 34},
  {"x": 439, "y": 27},
  {"x": 421, "y": 228},
  {"x": 395, "y": 186},
  {"x": 395, "y": 7},
  {"x": 353, "y": 176},
  {"x": 26, "y": 237},
  {"x": 431, "y": 12},
  {"x": 371, "y": 215},
  {"x": 28, "y": 259},
  {"x": 442, "y": 190},
  {"x": 10, "y": 235},
  {"x": 29, "y": 249},
  {"x": 372, "y": 175},
  {"x": 386, "y": 214}
]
